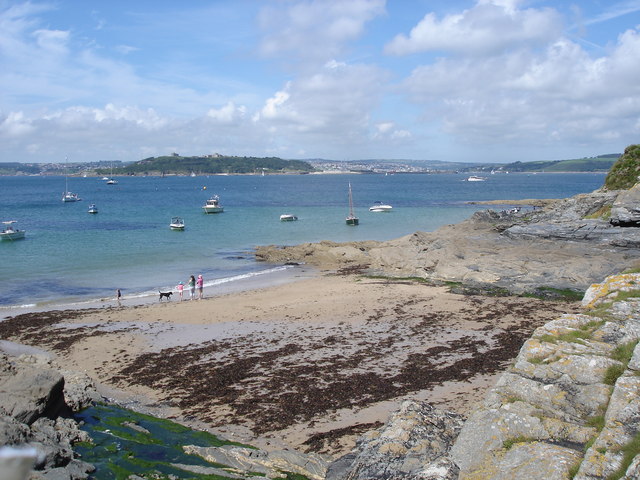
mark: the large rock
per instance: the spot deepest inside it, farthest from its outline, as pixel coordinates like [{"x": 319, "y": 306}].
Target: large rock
[
  {"x": 626, "y": 209},
  {"x": 412, "y": 445},
  {"x": 28, "y": 393},
  {"x": 32, "y": 400},
  {"x": 270, "y": 464}
]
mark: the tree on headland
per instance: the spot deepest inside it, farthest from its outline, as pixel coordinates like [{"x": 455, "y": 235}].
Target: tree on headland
[{"x": 625, "y": 172}]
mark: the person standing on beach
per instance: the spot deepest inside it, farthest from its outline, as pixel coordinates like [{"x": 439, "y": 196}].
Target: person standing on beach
[
  {"x": 180, "y": 288},
  {"x": 118, "y": 296},
  {"x": 200, "y": 286},
  {"x": 192, "y": 287}
]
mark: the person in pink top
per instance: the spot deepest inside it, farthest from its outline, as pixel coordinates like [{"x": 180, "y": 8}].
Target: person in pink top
[
  {"x": 180, "y": 288},
  {"x": 200, "y": 286}
]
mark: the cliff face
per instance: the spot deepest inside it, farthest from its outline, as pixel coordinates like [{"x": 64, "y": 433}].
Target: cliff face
[{"x": 569, "y": 407}]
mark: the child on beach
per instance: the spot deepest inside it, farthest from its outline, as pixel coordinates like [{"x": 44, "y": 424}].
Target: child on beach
[
  {"x": 180, "y": 288},
  {"x": 192, "y": 287},
  {"x": 200, "y": 286}
]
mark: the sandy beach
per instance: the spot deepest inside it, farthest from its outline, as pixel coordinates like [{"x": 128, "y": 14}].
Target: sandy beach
[{"x": 309, "y": 364}]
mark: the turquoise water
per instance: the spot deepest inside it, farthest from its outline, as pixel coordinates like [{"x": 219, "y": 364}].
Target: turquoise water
[{"x": 72, "y": 256}]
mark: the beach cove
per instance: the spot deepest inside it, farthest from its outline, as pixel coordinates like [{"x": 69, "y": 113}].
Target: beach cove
[{"x": 307, "y": 365}]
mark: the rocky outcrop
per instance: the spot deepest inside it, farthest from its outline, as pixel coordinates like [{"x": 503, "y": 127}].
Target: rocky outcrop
[
  {"x": 569, "y": 407},
  {"x": 626, "y": 209},
  {"x": 572, "y": 395},
  {"x": 250, "y": 461},
  {"x": 34, "y": 429},
  {"x": 557, "y": 247},
  {"x": 412, "y": 445}
]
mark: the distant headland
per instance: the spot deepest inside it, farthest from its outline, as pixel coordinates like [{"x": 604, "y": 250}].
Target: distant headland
[{"x": 218, "y": 164}]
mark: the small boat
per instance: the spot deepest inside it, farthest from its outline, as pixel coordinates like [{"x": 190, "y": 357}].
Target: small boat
[
  {"x": 93, "y": 208},
  {"x": 176, "y": 223},
  {"x": 475, "y": 178},
  {"x": 287, "y": 217},
  {"x": 110, "y": 180},
  {"x": 351, "y": 218},
  {"x": 67, "y": 196},
  {"x": 105, "y": 178},
  {"x": 213, "y": 205},
  {"x": 380, "y": 207},
  {"x": 70, "y": 197},
  {"x": 11, "y": 233}
]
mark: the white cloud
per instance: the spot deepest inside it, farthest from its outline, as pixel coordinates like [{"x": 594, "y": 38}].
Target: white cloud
[
  {"x": 126, "y": 49},
  {"x": 228, "y": 113},
  {"x": 559, "y": 95},
  {"x": 15, "y": 125},
  {"x": 332, "y": 105},
  {"x": 52, "y": 42},
  {"x": 487, "y": 28},
  {"x": 384, "y": 127},
  {"x": 314, "y": 30}
]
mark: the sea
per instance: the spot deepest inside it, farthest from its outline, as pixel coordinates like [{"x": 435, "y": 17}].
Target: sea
[{"x": 72, "y": 259}]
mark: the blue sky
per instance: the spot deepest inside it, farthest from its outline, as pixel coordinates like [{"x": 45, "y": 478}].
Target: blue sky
[{"x": 453, "y": 80}]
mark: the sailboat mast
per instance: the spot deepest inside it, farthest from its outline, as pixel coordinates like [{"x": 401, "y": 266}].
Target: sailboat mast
[{"x": 66, "y": 175}]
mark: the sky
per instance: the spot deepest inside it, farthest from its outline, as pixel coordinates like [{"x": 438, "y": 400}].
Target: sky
[{"x": 451, "y": 80}]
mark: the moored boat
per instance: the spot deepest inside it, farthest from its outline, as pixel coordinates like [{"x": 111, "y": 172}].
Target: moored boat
[
  {"x": 213, "y": 205},
  {"x": 67, "y": 196},
  {"x": 9, "y": 232},
  {"x": 380, "y": 207},
  {"x": 70, "y": 197},
  {"x": 351, "y": 218},
  {"x": 93, "y": 208},
  {"x": 475, "y": 178},
  {"x": 177, "y": 223},
  {"x": 287, "y": 217}
]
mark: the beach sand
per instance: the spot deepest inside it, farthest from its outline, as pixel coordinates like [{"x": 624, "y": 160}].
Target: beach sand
[{"x": 308, "y": 365}]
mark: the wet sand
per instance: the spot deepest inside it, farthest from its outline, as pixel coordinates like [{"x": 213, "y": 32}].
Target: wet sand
[{"x": 309, "y": 365}]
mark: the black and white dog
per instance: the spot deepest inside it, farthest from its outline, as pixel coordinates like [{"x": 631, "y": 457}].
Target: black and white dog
[{"x": 166, "y": 295}]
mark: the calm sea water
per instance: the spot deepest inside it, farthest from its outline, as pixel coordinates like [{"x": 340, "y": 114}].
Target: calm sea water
[{"x": 70, "y": 256}]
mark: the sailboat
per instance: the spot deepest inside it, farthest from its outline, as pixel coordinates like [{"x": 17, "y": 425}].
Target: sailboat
[
  {"x": 111, "y": 180},
  {"x": 351, "y": 218},
  {"x": 67, "y": 196}
]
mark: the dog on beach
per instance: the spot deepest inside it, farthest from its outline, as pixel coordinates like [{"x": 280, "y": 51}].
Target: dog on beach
[{"x": 166, "y": 295}]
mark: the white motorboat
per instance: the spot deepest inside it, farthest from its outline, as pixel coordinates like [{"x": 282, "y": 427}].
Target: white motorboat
[
  {"x": 380, "y": 207},
  {"x": 177, "y": 223},
  {"x": 213, "y": 205},
  {"x": 9, "y": 232},
  {"x": 351, "y": 218},
  {"x": 287, "y": 217},
  {"x": 475, "y": 178},
  {"x": 93, "y": 208}
]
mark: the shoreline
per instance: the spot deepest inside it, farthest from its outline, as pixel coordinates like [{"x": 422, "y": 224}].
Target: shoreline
[
  {"x": 222, "y": 286},
  {"x": 308, "y": 364}
]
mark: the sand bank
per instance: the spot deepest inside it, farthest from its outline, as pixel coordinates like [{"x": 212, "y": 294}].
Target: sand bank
[{"x": 309, "y": 364}]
